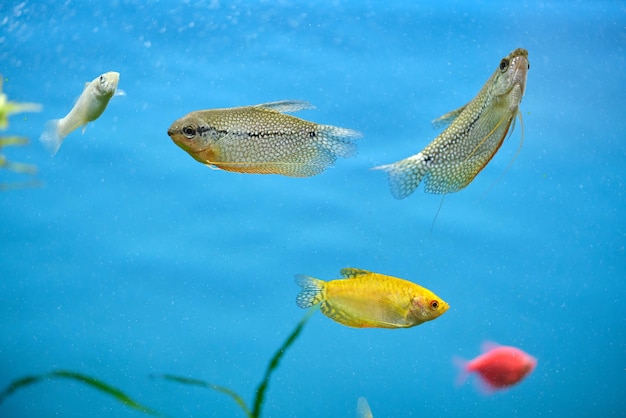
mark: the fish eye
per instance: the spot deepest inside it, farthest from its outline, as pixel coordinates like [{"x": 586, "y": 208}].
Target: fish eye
[
  {"x": 504, "y": 64},
  {"x": 189, "y": 131},
  {"x": 434, "y": 305}
]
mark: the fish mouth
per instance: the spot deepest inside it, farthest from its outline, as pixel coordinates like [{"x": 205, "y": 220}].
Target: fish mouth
[
  {"x": 517, "y": 83},
  {"x": 520, "y": 73}
]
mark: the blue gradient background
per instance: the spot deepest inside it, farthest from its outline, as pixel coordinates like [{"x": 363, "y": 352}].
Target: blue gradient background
[{"x": 132, "y": 259}]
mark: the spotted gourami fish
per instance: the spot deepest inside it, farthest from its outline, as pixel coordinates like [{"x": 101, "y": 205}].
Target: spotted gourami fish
[
  {"x": 475, "y": 133},
  {"x": 499, "y": 367},
  {"x": 89, "y": 106},
  {"x": 262, "y": 139},
  {"x": 363, "y": 299}
]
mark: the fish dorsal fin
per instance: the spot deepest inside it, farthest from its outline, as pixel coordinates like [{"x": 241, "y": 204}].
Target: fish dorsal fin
[
  {"x": 444, "y": 121},
  {"x": 286, "y": 106},
  {"x": 488, "y": 346},
  {"x": 351, "y": 273}
]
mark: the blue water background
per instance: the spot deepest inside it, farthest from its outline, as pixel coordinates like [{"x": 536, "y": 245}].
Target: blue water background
[{"x": 133, "y": 259}]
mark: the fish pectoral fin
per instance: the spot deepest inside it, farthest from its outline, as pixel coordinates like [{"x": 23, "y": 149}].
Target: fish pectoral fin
[
  {"x": 483, "y": 124},
  {"x": 212, "y": 166},
  {"x": 519, "y": 148},
  {"x": 444, "y": 120},
  {"x": 286, "y": 106}
]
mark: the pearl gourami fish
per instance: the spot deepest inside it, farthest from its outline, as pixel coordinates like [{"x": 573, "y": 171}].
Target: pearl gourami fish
[
  {"x": 499, "y": 367},
  {"x": 474, "y": 135},
  {"x": 262, "y": 139},
  {"x": 363, "y": 299},
  {"x": 89, "y": 106}
]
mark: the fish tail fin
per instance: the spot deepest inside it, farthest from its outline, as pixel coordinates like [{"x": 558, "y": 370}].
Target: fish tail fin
[
  {"x": 326, "y": 144},
  {"x": 461, "y": 364},
  {"x": 52, "y": 137},
  {"x": 312, "y": 291},
  {"x": 405, "y": 175},
  {"x": 339, "y": 141}
]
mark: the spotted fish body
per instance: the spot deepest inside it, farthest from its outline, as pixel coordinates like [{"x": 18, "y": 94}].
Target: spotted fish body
[
  {"x": 262, "y": 139},
  {"x": 363, "y": 299},
  {"x": 475, "y": 133}
]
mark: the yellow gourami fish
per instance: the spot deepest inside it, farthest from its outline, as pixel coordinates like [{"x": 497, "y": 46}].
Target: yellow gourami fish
[
  {"x": 89, "y": 106},
  {"x": 363, "y": 299},
  {"x": 475, "y": 133},
  {"x": 262, "y": 139}
]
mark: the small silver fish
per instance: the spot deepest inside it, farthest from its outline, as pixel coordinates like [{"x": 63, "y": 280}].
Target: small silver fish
[
  {"x": 262, "y": 139},
  {"x": 89, "y": 106},
  {"x": 474, "y": 135}
]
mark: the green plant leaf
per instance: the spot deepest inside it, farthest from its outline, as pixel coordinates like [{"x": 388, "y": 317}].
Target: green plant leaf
[
  {"x": 90, "y": 381},
  {"x": 196, "y": 382},
  {"x": 262, "y": 388},
  {"x": 273, "y": 364}
]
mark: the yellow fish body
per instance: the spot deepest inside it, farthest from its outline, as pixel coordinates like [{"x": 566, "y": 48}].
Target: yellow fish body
[
  {"x": 363, "y": 299},
  {"x": 262, "y": 139},
  {"x": 475, "y": 133}
]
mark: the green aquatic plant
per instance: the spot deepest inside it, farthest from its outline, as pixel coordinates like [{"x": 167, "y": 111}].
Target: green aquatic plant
[
  {"x": 123, "y": 398},
  {"x": 259, "y": 398},
  {"x": 78, "y": 377},
  {"x": 8, "y": 108},
  {"x": 16, "y": 167}
]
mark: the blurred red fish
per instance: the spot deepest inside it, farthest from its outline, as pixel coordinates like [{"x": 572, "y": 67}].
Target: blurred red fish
[{"x": 499, "y": 367}]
